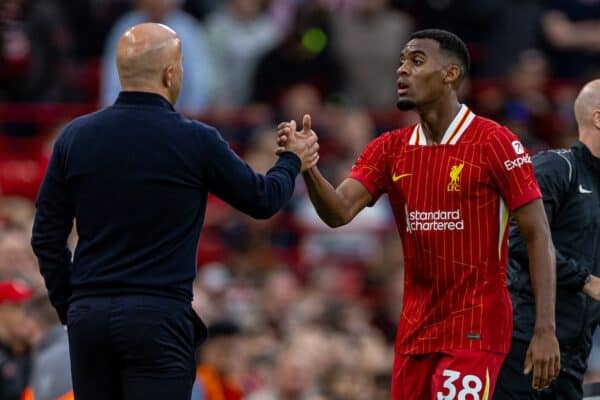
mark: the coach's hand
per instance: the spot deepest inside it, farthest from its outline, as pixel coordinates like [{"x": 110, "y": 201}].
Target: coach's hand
[
  {"x": 543, "y": 357},
  {"x": 303, "y": 143}
]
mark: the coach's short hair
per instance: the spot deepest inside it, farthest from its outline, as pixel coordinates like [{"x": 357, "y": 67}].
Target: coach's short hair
[{"x": 450, "y": 43}]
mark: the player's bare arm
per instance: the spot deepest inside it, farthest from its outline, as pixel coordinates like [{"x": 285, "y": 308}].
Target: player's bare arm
[
  {"x": 543, "y": 356},
  {"x": 338, "y": 206},
  {"x": 335, "y": 206}
]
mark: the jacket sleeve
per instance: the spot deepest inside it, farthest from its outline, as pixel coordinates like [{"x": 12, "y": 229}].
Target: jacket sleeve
[
  {"x": 52, "y": 226},
  {"x": 554, "y": 172},
  {"x": 234, "y": 181}
]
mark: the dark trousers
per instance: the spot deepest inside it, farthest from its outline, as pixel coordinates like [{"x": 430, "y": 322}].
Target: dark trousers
[
  {"x": 514, "y": 385},
  {"x": 133, "y": 348}
]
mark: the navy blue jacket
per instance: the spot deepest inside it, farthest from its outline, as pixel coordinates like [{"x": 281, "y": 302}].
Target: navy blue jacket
[
  {"x": 135, "y": 176},
  {"x": 570, "y": 183}
]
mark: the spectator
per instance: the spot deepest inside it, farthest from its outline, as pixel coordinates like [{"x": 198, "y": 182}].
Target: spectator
[
  {"x": 22, "y": 163},
  {"x": 494, "y": 30},
  {"x": 369, "y": 71},
  {"x": 350, "y": 384},
  {"x": 279, "y": 293},
  {"x": 35, "y": 51},
  {"x": 217, "y": 357},
  {"x": 16, "y": 213},
  {"x": 92, "y": 20},
  {"x": 293, "y": 379},
  {"x": 201, "y": 8},
  {"x": 51, "y": 368},
  {"x": 240, "y": 33},
  {"x": 197, "y": 90},
  {"x": 17, "y": 259},
  {"x": 14, "y": 366},
  {"x": 513, "y": 29},
  {"x": 571, "y": 29},
  {"x": 304, "y": 56},
  {"x": 528, "y": 106}
]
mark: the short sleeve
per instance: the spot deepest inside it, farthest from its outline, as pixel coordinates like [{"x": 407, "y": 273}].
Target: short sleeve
[
  {"x": 370, "y": 168},
  {"x": 512, "y": 169}
]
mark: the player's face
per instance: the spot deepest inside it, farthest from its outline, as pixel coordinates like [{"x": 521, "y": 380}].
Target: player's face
[{"x": 420, "y": 74}]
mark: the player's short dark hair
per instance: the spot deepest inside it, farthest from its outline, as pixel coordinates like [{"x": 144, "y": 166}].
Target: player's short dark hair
[{"x": 448, "y": 42}]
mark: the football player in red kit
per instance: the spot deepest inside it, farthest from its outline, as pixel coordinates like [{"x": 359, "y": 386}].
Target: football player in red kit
[{"x": 452, "y": 181}]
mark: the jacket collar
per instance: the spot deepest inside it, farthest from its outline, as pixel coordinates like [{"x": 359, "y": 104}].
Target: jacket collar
[{"x": 143, "y": 99}]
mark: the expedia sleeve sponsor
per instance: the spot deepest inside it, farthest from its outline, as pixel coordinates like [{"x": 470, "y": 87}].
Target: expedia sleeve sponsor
[
  {"x": 517, "y": 162},
  {"x": 439, "y": 220}
]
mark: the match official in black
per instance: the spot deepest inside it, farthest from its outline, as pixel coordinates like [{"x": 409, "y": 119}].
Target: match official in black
[
  {"x": 135, "y": 177},
  {"x": 570, "y": 183}
]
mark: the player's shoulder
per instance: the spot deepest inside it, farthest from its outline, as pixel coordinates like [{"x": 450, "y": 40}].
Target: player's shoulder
[{"x": 492, "y": 131}]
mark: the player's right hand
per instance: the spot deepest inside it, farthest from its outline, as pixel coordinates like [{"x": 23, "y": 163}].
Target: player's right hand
[{"x": 543, "y": 357}]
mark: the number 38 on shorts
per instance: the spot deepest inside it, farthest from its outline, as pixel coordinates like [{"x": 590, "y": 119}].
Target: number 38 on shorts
[
  {"x": 463, "y": 387},
  {"x": 452, "y": 375}
]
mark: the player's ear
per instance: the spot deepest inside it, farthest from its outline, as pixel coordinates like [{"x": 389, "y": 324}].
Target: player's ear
[{"x": 452, "y": 74}]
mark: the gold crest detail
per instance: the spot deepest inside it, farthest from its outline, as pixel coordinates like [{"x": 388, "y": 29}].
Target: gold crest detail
[{"x": 454, "y": 185}]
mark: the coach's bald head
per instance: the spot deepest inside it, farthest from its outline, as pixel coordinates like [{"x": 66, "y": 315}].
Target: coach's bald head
[
  {"x": 149, "y": 59},
  {"x": 587, "y": 113}
]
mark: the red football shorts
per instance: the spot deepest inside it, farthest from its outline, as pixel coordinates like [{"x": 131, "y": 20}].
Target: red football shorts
[{"x": 452, "y": 375}]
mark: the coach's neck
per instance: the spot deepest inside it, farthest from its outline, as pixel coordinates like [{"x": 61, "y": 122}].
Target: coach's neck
[{"x": 147, "y": 89}]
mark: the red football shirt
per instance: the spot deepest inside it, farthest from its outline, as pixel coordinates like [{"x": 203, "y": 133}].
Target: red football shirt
[{"x": 451, "y": 203}]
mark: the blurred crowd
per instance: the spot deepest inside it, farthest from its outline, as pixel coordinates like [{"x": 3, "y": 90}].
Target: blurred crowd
[
  {"x": 296, "y": 310},
  {"x": 239, "y": 52}
]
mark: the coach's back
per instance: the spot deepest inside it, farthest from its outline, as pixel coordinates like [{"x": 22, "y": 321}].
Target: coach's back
[
  {"x": 139, "y": 175},
  {"x": 135, "y": 174},
  {"x": 135, "y": 177}
]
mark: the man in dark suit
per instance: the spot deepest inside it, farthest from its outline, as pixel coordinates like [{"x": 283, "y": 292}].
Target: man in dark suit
[{"x": 135, "y": 176}]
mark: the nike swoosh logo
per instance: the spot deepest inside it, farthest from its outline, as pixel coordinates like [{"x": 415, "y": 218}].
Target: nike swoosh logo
[
  {"x": 398, "y": 177},
  {"x": 583, "y": 190}
]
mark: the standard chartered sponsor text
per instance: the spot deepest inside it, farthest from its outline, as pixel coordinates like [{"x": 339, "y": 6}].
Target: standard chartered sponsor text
[{"x": 439, "y": 220}]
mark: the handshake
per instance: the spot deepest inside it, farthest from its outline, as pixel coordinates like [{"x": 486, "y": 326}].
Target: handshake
[{"x": 302, "y": 143}]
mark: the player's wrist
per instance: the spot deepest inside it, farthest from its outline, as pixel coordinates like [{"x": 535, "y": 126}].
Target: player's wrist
[
  {"x": 544, "y": 328},
  {"x": 310, "y": 173}
]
